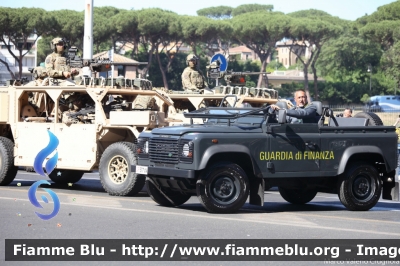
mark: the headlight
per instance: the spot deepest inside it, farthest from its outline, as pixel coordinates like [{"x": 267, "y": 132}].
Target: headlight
[
  {"x": 142, "y": 147},
  {"x": 185, "y": 150}
]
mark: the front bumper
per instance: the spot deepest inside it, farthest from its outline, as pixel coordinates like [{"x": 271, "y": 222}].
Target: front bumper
[{"x": 168, "y": 172}]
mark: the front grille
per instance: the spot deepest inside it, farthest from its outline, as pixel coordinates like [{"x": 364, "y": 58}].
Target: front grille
[{"x": 163, "y": 150}]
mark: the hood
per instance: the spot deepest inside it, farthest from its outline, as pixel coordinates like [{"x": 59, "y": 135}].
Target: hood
[{"x": 181, "y": 130}]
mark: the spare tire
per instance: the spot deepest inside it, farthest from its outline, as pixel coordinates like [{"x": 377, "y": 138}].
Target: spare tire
[{"x": 374, "y": 119}]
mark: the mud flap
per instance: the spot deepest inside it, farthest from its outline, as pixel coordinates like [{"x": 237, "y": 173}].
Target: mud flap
[
  {"x": 257, "y": 186},
  {"x": 159, "y": 189},
  {"x": 391, "y": 190}
]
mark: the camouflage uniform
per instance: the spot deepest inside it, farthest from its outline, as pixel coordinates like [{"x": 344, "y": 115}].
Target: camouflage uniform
[
  {"x": 74, "y": 105},
  {"x": 144, "y": 102},
  {"x": 192, "y": 78},
  {"x": 56, "y": 63}
]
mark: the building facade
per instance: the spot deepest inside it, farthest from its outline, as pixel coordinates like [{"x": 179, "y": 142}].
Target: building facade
[{"x": 28, "y": 61}]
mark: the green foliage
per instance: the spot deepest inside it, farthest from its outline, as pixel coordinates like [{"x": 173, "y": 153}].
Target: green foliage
[
  {"x": 248, "y": 8},
  {"x": 381, "y": 32},
  {"x": 346, "y": 48},
  {"x": 365, "y": 98},
  {"x": 218, "y": 12},
  {"x": 386, "y": 12},
  {"x": 20, "y": 24},
  {"x": 43, "y": 48},
  {"x": 390, "y": 62},
  {"x": 69, "y": 25},
  {"x": 275, "y": 65},
  {"x": 260, "y": 31},
  {"x": 309, "y": 13},
  {"x": 347, "y": 57}
]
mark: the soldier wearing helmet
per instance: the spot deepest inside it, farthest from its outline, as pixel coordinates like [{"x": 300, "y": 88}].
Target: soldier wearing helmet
[
  {"x": 75, "y": 103},
  {"x": 56, "y": 62},
  {"x": 192, "y": 77}
]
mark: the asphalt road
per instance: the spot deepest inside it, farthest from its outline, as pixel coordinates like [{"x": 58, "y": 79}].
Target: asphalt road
[{"x": 87, "y": 212}]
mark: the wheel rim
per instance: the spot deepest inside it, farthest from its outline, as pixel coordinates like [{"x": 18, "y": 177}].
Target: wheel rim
[
  {"x": 362, "y": 188},
  {"x": 118, "y": 169},
  {"x": 224, "y": 190}
]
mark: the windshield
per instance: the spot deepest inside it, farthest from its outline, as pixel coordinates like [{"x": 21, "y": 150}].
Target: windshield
[{"x": 218, "y": 115}]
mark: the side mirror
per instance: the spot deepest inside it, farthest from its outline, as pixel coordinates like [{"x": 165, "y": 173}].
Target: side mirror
[{"x": 282, "y": 116}]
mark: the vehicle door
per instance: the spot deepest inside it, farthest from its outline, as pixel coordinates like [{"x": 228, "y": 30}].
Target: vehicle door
[{"x": 292, "y": 148}]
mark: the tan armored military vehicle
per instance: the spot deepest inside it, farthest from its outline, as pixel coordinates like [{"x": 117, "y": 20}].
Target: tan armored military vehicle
[{"x": 97, "y": 124}]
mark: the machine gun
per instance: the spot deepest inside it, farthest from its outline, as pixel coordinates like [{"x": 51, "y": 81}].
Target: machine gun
[
  {"x": 231, "y": 78},
  {"x": 95, "y": 65},
  {"x": 82, "y": 112}
]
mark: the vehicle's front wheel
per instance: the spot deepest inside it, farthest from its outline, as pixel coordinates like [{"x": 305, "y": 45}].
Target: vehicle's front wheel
[
  {"x": 65, "y": 176},
  {"x": 8, "y": 170},
  {"x": 164, "y": 196},
  {"x": 115, "y": 170},
  {"x": 298, "y": 196},
  {"x": 223, "y": 188},
  {"x": 360, "y": 187}
]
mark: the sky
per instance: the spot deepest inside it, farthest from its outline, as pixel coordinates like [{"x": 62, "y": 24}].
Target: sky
[{"x": 345, "y": 9}]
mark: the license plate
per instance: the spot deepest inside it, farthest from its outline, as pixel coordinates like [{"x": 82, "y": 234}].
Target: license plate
[{"x": 141, "y": 170}]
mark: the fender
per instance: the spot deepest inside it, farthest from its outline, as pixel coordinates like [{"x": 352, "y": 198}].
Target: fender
[
  {"x": 355, "y": 150},
  {"x": 225, "y": 148}
]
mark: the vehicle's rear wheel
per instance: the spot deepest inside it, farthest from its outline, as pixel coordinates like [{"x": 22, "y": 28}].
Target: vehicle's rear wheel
[
  {"x": 374, "y": 119},
  {"x": 298, "y": 196},
  {"x": 115, "y": 170},
  {"x": 223, "y": 188},
  {"x": 164, "y": 196},
  {"x": 65, "y": 176},
  {"x": 8, "y": 170},
  {"x": 360, "y": 187}
]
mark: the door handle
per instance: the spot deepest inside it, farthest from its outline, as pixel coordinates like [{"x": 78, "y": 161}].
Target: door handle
[{"x": 311, "y": 144}]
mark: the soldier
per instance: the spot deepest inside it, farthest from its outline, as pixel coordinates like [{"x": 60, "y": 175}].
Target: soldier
[
  {"x": 192, "y": 77},
  {"x": 347, "y": 113},
  {"x": 74, "y": 105},
  {"x": 56, "y": 62}
]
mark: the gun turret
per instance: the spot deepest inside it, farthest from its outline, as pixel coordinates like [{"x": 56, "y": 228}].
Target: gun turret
[
  {"x": 95, "y": 65},
  {"x": 231, "y": 78}
]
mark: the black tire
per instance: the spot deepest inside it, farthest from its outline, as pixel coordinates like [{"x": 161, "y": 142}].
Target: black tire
[
  {"x": 165, "y": 197},
  {"x": 297, "y": 196},
  {"x": 8, "y": 170},
  {"x": 360, "y": 187},
  {"x": 374, "y": 119},
  {"x": 223, "y": 188},
  {"x": 65, "y": 176},
  {"x": 122, "y": 181}
]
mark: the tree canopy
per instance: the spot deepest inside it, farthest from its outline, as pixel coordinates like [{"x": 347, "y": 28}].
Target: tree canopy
[
  {"x": 260, "y": 31},
  {"x": 337, "y": 50},
  {"x": 218, "y": 12},
  {"x": 248, "y": 8}
]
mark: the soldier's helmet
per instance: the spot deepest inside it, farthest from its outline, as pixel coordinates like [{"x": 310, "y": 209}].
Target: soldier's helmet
[
  {"x": 55, "y": 41},
  {"x": 191, "y": 57}
]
